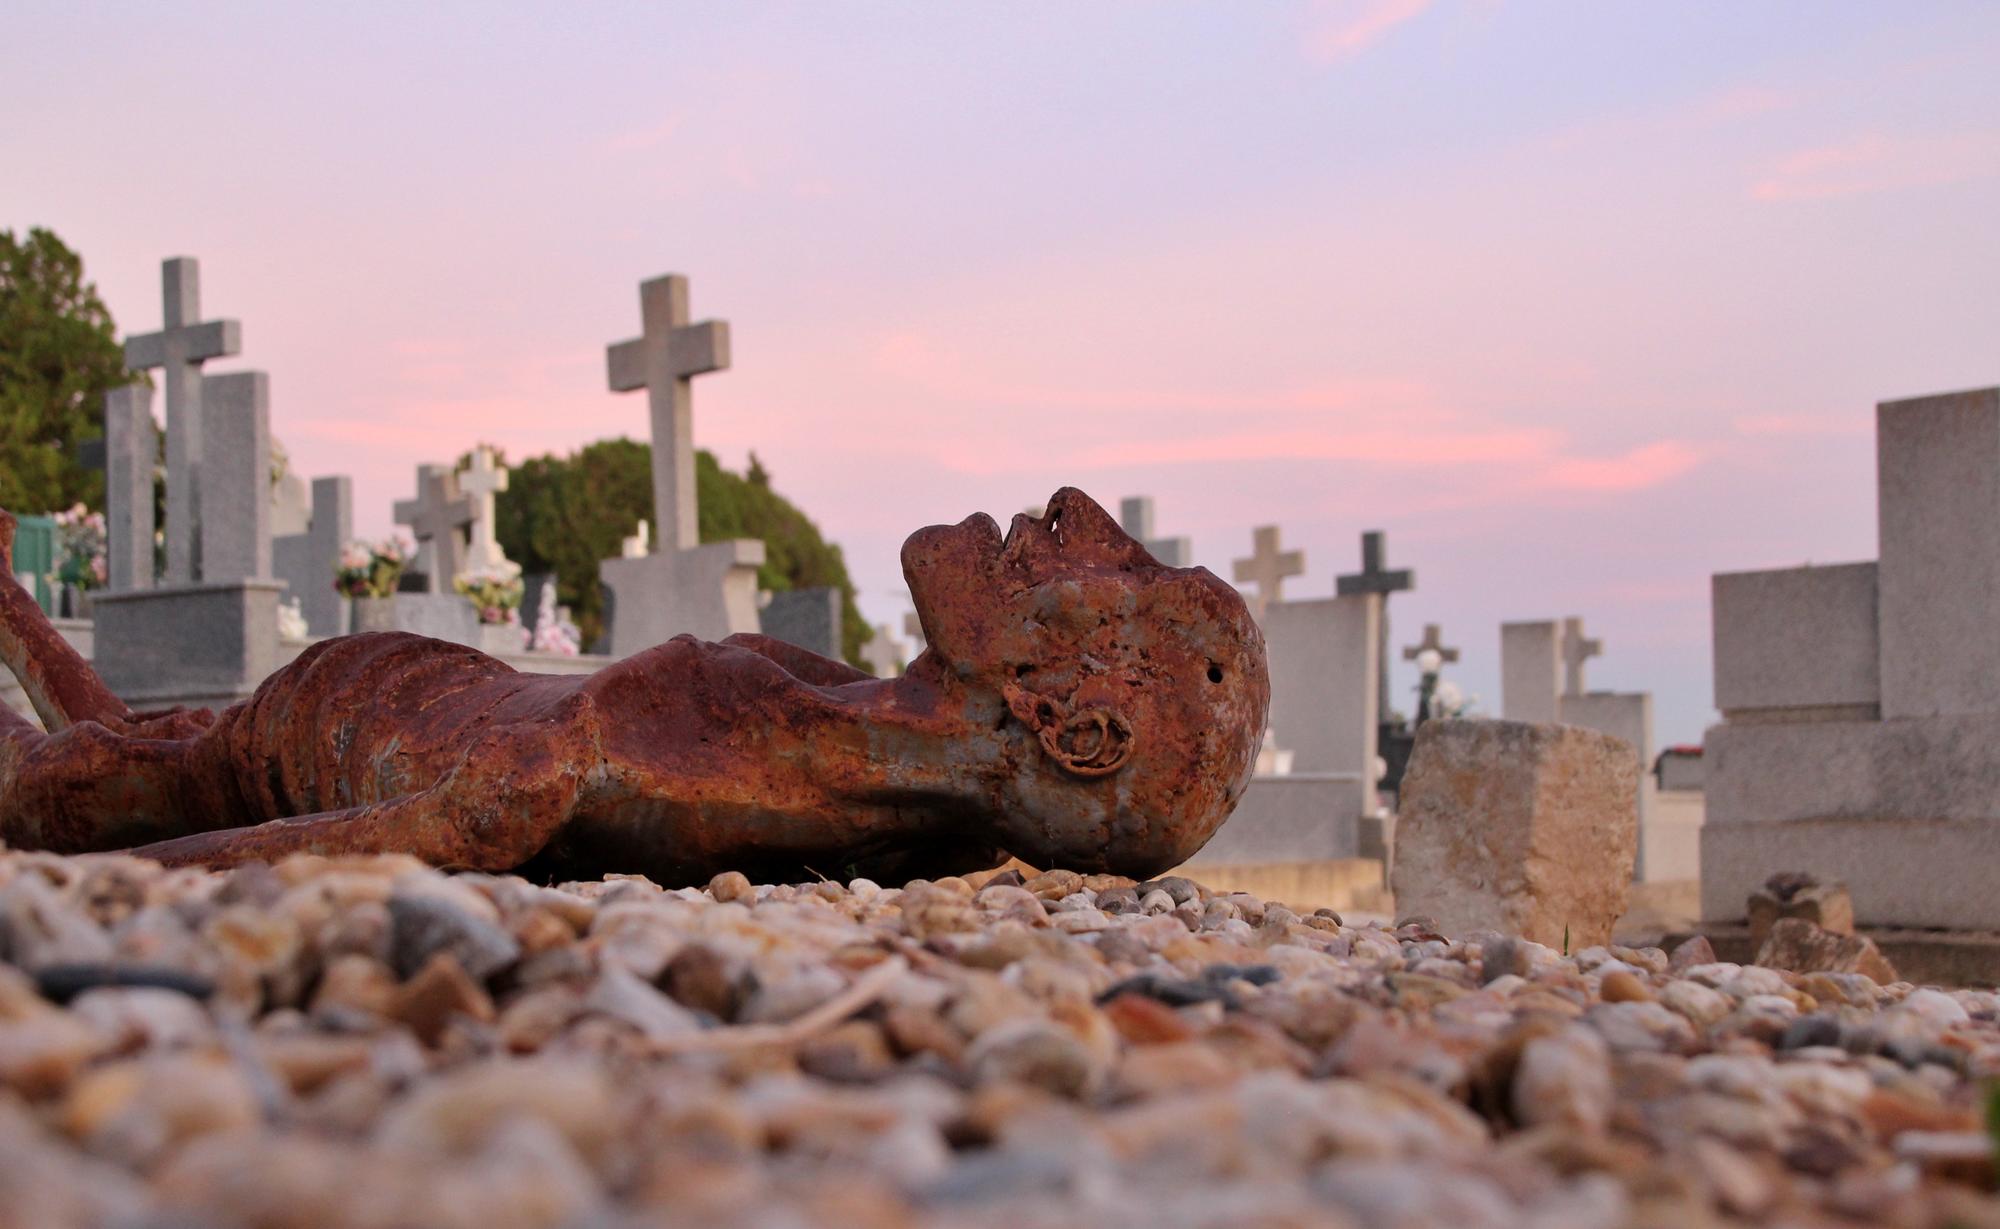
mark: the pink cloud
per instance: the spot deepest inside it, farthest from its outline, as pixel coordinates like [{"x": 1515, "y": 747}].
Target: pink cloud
[
  {"x": 1343, "y": 29},
  {"x": 1875, "y": 162},
  {"x": 1646, "y": 466}
]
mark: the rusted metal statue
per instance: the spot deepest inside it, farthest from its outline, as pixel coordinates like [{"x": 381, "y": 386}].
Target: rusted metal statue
[{"x": 1079, "y": 705}]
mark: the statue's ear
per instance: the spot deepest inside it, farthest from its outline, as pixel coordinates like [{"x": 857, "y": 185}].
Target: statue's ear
[{"x": 1093, "y": 742}]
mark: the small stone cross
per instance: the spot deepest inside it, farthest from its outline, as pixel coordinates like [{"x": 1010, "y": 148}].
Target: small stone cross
[
  {"x": 1135, "y": 517},
  {"x": 179, "y": 349},
  {"x": 639, "y": 544},
  {"x": 1267, "y": 567},
  {"x": 1576, "y": 649},
  {"x": 1433, "y": 641},
  {"x": 480, "y": 484},
  {"x": 663, "y": 360},
  {"x": 436, "y": 518},
  {"x": 1375, "y": 578}
]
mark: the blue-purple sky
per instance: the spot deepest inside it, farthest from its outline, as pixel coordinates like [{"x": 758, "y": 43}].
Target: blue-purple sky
[{"x": 1580, "y": 302}]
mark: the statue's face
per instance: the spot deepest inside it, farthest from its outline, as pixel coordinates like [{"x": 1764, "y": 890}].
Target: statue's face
[{"x": 1132, "y": 696}]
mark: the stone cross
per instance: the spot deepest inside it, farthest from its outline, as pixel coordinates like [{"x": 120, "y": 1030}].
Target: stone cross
[
  {"x": 883, "y": 653},
  {"x": 1576, "y": 649},
  {"x": 1433, "y": 641},
  {"x": 480, "y": 484},
  {"x": 179, "y": 349},
  {"x": 1267, "y": 567},
  {"x": 131, "y": 446},
  {"x": 639, "y": 545},
  {"x": 436, "y": 518},
  {"x": 663, "y": 360},
  {"x": 1375, "y": 578},
  {"x": 1135, "y": 516}
]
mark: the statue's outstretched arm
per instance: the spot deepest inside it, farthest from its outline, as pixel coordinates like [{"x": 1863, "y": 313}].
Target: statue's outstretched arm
[
  {"x": 802, "y": 664},
  {"x": 59, "y": 682},
  {"x": 513, "y": 790}
]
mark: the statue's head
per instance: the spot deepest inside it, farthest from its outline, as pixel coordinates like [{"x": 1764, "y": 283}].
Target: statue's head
[{"x": 1129, "y": 697}]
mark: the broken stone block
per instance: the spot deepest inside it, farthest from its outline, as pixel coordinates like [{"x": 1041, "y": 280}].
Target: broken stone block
[
  {"x": 1799, "y": 946},
  {"x": 1522, "y": 828},
  {"x": 1795, "y": 894}
]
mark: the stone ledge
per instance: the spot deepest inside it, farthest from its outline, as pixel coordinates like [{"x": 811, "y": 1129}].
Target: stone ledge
[{"x": 1968, "y": 958}]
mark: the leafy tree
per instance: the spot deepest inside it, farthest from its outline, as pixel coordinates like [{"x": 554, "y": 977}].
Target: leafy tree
[
  {"x": 564, "y": 514},
  {"x": 59, "y": 355}
]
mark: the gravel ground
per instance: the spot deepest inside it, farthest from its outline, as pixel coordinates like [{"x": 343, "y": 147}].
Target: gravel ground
[{"x": 372, "y": 1043}]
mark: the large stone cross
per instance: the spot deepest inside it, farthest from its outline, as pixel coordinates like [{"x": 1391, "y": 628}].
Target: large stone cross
[
  {"x": 179, "y": 350},
  {"x": 1374, "y": 577},
  {"x": 1576, "y": 650},
  {"x": 436, "y": 517},
  {"x": 1433, "y": 642},
  {"x": 663, "y": 360},
  {"x": 1267, "y": 567},
  {"x": 480, "y": 484}
]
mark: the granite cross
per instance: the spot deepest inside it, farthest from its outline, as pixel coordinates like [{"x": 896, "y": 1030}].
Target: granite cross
[
  {"x": 663, "y": 360},
  {"x": 1433, "y": 641},
  {"x": 1267, "y": 567},
  {"x": 480, "y": 484},
  {"x": 1576, "y": 649},
  {"x": 179, "y": 349},
  {"x": 435, "y": 517},
  {"x": 1375, "y": 578}
]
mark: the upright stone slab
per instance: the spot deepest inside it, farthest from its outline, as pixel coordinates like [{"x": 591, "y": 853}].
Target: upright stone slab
[
  {"x": 179, "y": 350},
  {"x": 1938, "y": 467},
  {"x": 1135, "y": 516},
  {"x": 1531, "y": 668},
  {"x": 307, "y": 561},
  {"x": 131, "y": 445},
  {"x": 709, "y": 591},
  {"x": 212, "y": 642},
  {"x": 1525, "y": 829},
  {"x": 808, "y": 618}
]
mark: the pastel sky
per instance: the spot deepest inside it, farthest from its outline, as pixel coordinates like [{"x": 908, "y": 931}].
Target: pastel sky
[{"x": 1580, "y": 302}]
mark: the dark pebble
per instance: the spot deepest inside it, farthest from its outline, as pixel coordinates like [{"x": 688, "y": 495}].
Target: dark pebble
[
  {"x": 59, "y": 983},
  {"x": 1818, "y": 1029}
]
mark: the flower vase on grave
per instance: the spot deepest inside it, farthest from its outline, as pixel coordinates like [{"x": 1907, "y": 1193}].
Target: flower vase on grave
[{"x": 374, "y": 614}]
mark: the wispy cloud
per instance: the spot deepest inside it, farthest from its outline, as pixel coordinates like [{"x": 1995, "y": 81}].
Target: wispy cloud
[
  {"x": 1878, "y": 162},
  {"x": 1342, "y": 29},
  {"x": 1648, "y": 465}
]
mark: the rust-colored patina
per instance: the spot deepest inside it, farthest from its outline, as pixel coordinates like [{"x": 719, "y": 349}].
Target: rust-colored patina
[{"x": 1079, "y": 705}]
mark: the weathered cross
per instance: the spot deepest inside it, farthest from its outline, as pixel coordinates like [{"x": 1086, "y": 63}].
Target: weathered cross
[
  {"x": 480, "y": 484},
  {"x": 663, "y": 360},
  {"x": 1267, "y": 567},
  {"x": 1433, "y": 642},
  {"x": 179, "y": 349},
  {"x": 1375, "y": 578},
  {"x": 913, "y": 627},
  {"x": 1577, "y": 649},
  {"x": 435, "y": 517}
]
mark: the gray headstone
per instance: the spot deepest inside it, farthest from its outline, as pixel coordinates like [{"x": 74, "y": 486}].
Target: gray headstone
[
  {"x": 1577, "y": 649},
  {"x": 179, "y": 350},
  {"x": 307, "y": 561},
  {"x": 235, "y": 477},
  {"x": 808, "y": 618},
  {"x": 885, "y": 655},
  {"x": 131, "y": 447},
  {"x": 1135, "y": 516}
]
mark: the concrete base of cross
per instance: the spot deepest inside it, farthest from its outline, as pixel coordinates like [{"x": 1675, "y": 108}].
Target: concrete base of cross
[
  {"x": 205, "y": 645},
  {"x": 709, "y": 592}
]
